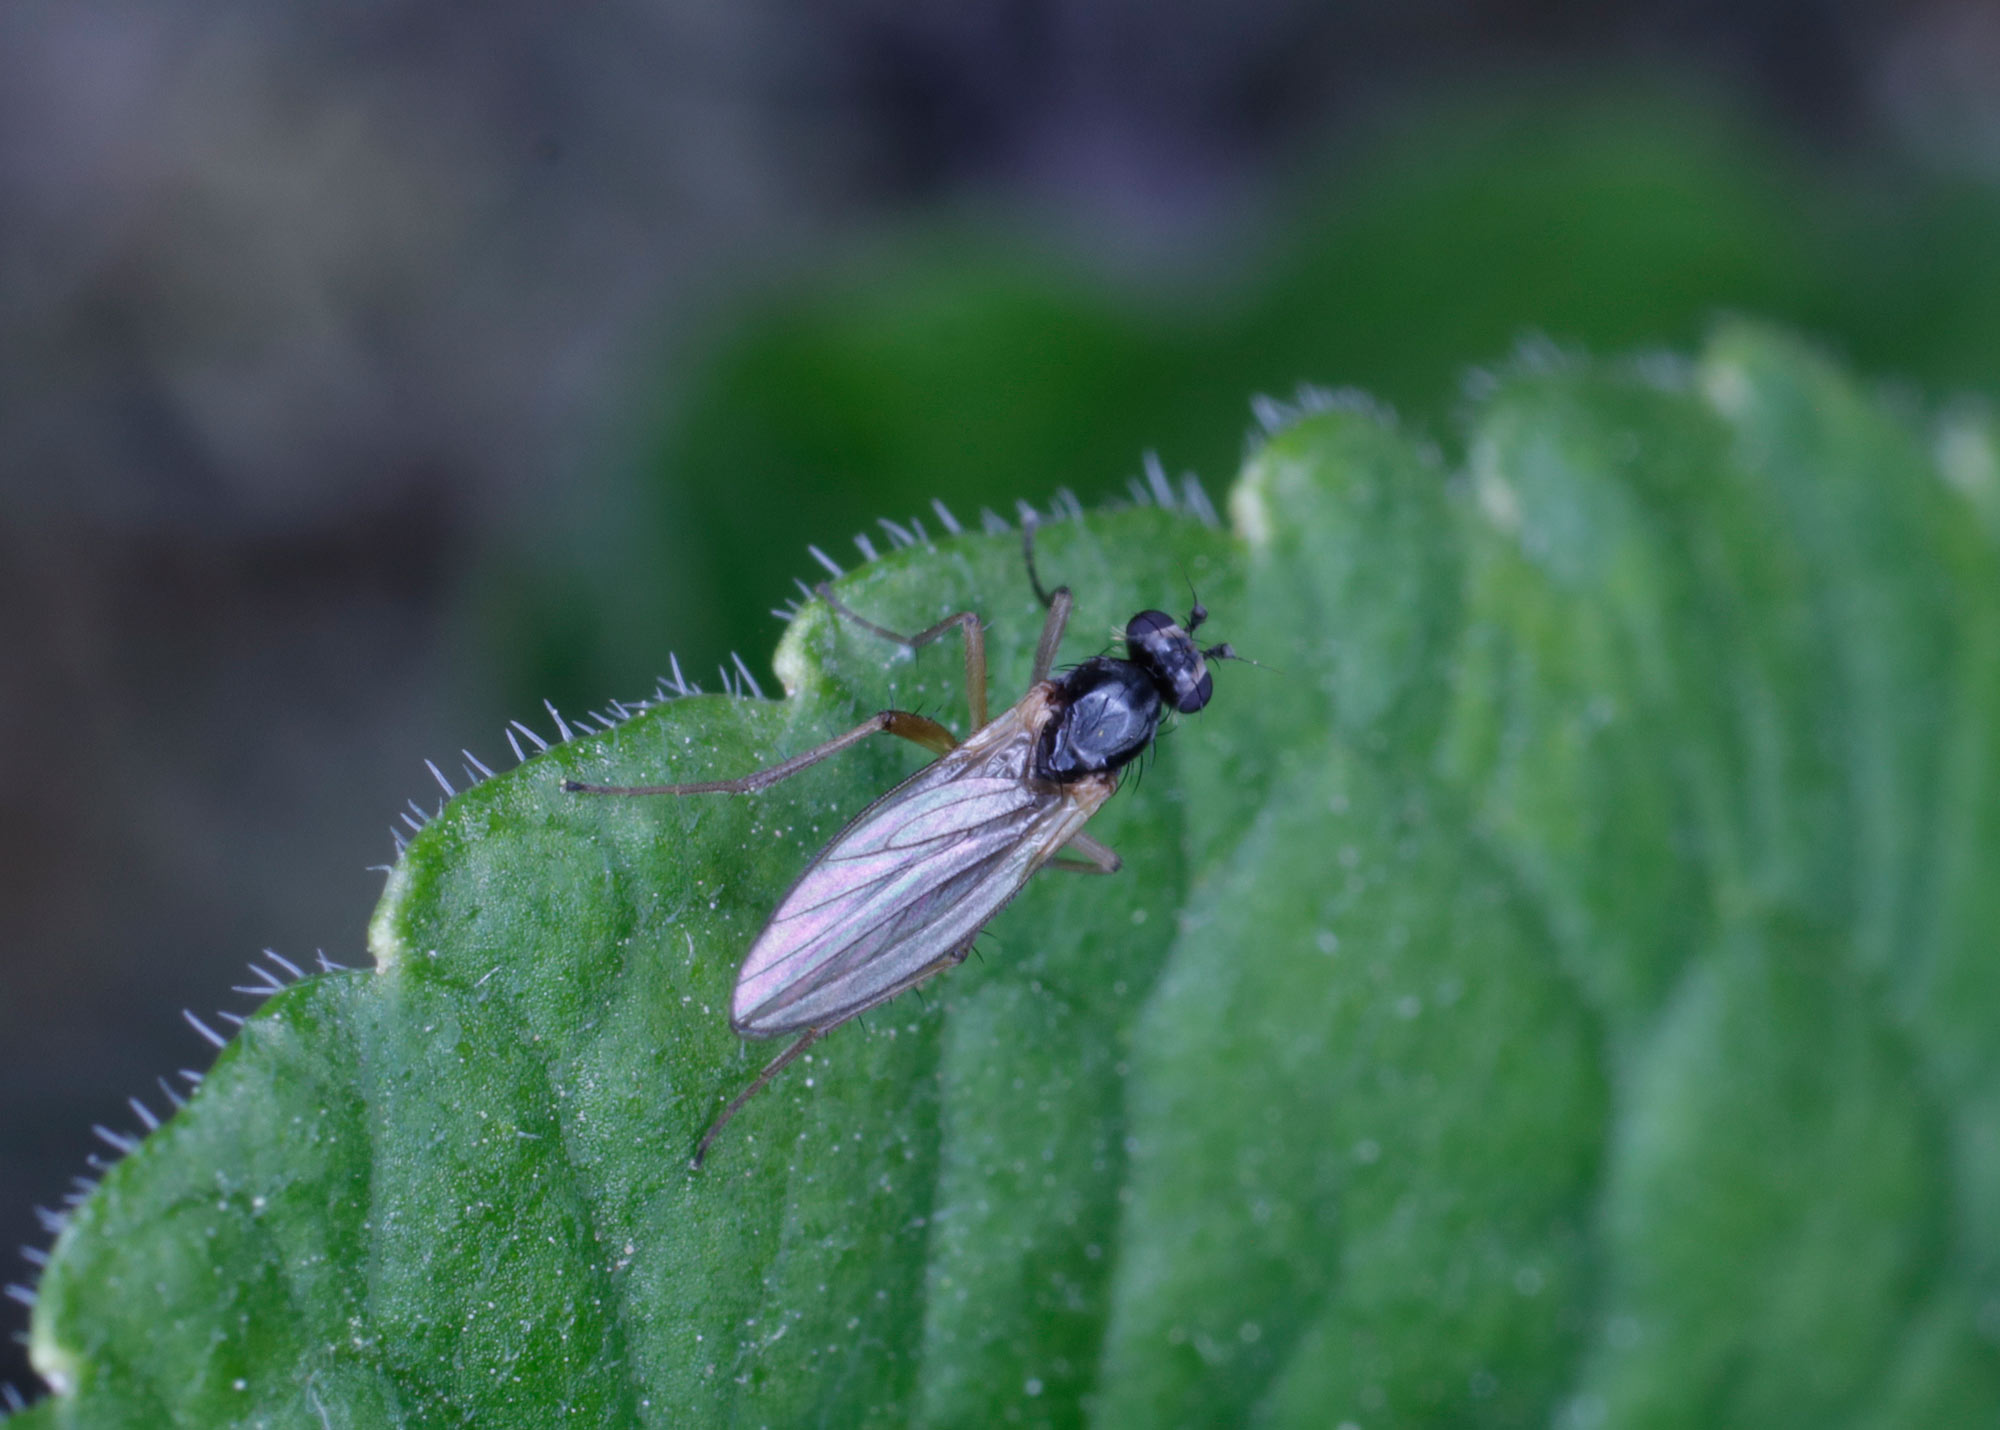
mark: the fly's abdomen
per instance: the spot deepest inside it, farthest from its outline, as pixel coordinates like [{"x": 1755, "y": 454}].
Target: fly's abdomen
[{"x": 912, "y": 880}]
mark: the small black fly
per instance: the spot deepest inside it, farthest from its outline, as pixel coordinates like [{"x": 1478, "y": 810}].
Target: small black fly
[{"x": 905, "y": 888}]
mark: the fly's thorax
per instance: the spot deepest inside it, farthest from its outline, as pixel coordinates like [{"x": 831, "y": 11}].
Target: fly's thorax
[
  {"x": 1004, "y": 747},
  {"x": 1101, "y": 716}
]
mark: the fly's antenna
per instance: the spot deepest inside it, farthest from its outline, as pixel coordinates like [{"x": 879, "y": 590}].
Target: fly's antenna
[{"x": 1226, "y": 651}]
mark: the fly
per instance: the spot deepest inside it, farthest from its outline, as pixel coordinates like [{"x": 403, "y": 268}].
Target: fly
[{"x": 905, "y": 888}]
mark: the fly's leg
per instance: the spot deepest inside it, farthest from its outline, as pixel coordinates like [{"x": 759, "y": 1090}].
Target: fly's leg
[
  {"x": 917, "y": 729},
  {"x": 975, "y": 646},
  {"x": 1028, "y": 525},
  {"x": 1056, "y": 602},
  {"x": 1097, "y": 858},
  {"x": 812, "y": 1035},
  {"x": 758, "y": 1084},
  {"x": 1052, "y": 634}
]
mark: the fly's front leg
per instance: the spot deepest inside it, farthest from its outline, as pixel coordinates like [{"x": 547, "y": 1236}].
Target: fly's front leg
[
  {"x": 1097, "y": 858},
  {"x": 975, "y": 646},
  {"x": 1056, "y": 602},
  {"x": 917, "y": 729}
]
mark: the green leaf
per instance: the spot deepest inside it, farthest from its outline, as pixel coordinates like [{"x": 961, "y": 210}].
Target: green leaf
[{"x": 1556, "y": 987}]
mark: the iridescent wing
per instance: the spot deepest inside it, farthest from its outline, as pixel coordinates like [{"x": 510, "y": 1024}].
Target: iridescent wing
[{"x": 908, "y": 883}]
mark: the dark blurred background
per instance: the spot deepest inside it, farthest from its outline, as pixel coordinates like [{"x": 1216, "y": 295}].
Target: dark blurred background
[{"x": 370, "y": 373}]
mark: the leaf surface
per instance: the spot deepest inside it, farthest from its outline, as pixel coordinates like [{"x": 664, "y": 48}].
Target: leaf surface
[{"x": 1555, "y": 988}]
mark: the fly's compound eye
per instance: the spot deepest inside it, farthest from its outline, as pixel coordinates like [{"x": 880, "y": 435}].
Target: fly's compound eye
[
  {"x": 1196, "y": 695},
  {"x": 1149, "y": 631},
  {"x": 1154, "y": 640}
]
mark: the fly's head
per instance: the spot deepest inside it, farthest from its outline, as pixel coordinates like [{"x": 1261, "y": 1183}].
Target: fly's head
[
  {"x": 1167, "y": 652},
  {"x": 1106, "y": 711}
]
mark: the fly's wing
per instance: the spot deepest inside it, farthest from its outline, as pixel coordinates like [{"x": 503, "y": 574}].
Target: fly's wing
[{"x": 915, "y": 876}]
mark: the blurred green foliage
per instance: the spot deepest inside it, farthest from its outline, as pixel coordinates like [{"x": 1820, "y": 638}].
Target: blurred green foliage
[{"x": 964, "y": 363}]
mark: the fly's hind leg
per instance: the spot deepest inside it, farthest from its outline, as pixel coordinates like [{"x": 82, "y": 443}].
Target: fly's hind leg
[
  {"x": 917, "y": 729},
  {"x": 975, "y": 646},
  {"x": 757, "y": 1084},
  {"x": 812, "y": 1035}
]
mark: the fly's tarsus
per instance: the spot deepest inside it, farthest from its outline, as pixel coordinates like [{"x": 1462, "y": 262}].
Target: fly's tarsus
[
  {"x": 757, "y": 1084},
  {"x": 1028, "y": 524}
]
